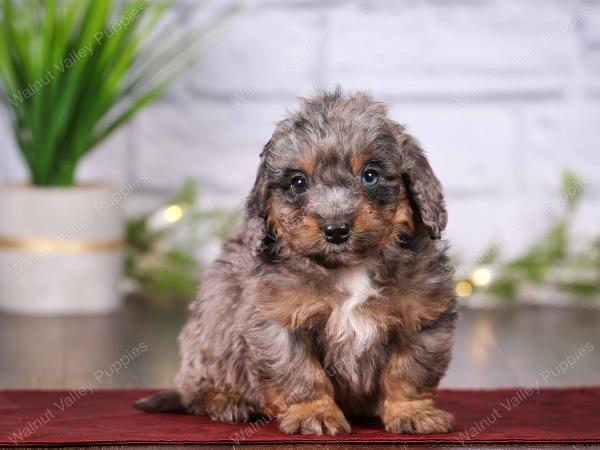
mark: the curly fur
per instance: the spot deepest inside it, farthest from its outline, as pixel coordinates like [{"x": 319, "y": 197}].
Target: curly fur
[{"x": 289, "y": 325}]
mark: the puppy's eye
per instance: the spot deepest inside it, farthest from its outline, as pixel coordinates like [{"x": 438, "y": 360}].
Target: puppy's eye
[
  {"x": 370, "y": 177},
  {"x": 299, "y": 184}
]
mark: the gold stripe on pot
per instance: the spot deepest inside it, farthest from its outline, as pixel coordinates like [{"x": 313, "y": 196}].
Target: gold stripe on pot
[{"x": 34, "y": 245}]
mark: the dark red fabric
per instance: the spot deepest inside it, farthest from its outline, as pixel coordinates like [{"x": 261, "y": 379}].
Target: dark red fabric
[{"x": 107, "y": 417}]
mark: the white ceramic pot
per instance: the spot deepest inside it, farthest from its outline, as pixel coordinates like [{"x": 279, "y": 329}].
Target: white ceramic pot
[{"x": 61, "y": 249}]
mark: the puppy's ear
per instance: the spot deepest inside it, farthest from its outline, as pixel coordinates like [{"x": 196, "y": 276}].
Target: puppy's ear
[
  {"x": 256, "y": 204},
  {"x": 257, "y": 210},
  {"x": 424, "y": 187}
]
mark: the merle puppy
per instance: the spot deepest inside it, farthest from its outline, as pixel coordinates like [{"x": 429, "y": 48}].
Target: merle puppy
[{"x": 334, "y": 297}]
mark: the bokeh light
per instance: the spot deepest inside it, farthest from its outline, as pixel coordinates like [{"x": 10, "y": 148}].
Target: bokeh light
[
  {"x": 173, "y": 213},
  {"x": 463, "y": 288}
]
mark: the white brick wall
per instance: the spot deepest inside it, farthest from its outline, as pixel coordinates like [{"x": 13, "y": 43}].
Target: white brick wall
[
  {"x": 454, "y": 49},
  {"x": 503, "y": 96}
]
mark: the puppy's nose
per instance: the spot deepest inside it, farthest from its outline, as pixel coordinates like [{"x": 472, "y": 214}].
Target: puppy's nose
[{"x": 336, "y": 233}]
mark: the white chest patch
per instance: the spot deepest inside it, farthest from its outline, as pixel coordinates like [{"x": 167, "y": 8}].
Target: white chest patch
[{"x": 347, "y": 323}]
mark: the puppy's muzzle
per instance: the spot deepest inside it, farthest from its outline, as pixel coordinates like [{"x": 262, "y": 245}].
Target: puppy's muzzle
[
  {"x": 336, "y": 233},
  {"x": 334, "y": 210}
]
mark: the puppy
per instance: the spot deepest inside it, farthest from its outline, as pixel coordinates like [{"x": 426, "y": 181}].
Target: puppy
[{"x": 334, "y": 297}]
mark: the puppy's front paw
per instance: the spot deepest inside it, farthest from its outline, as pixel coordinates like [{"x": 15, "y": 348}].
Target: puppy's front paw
[
  {"x": 416, "y": 417},
  {"x": 321, "y": 416}
]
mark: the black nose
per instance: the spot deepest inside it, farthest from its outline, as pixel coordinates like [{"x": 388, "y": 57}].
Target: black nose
[{"x": 337, "y": 233}]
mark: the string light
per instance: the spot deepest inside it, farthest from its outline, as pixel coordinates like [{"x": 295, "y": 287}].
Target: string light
[
  {"x": 173, "y": 213},
  {"x": 481, "y": 277},
  {"x": 463, "y": 288}
]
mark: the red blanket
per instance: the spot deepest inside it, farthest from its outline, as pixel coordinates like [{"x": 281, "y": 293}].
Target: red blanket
[{"x": 107, "y": 417}]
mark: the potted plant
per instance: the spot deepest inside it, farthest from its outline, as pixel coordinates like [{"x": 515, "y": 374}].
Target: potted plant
[{"x": 73, "y": 72}]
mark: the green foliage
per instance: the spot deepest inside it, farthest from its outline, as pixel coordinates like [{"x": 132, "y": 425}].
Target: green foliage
[
  {"x": 549, "y": 255},
  {"x": 74, "y": 71},
  {"x": 490, "y": 254},
  {"x": 160, "y": 260},
  {"x": 505, "y": 287},
  {"x": 572, "y": 190},
  {"x": 540, "y": 257},
  {"x": 580, "y": 289}
]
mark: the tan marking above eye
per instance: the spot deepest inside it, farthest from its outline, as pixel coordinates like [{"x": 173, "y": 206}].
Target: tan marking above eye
[
  {"x": 358, "y": 162},
  {"x": 308, "y": 165}
]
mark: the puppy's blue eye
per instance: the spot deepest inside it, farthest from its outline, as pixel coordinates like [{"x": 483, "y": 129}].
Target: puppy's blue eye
[
  {"x": 299, "y": 184},
  {"x": 370, "y": 177}
]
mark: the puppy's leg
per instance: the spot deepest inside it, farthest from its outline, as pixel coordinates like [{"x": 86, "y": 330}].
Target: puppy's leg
[
  {"x": 228, "y": 407},
  {"x": 409, "y": 384},
  {"x": 295, "y": 389},
  {"x": 221, "y": 406},
  {"x": 220, "y": 403}
]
